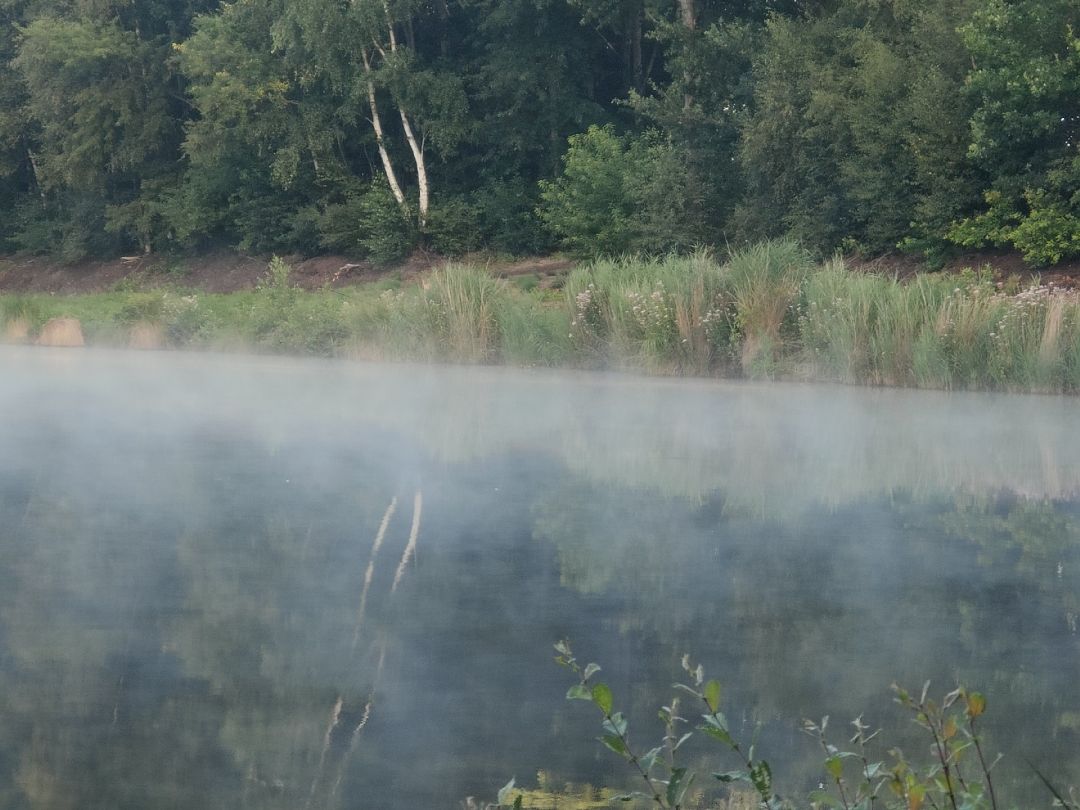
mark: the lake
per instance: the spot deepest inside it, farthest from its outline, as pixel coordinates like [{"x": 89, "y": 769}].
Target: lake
[{"x": 267, "y": 583}]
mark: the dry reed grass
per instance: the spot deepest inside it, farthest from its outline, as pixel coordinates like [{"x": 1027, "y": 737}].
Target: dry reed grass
[
  {"x": 17, "y": 330},
  {"x": 145, "y": 335},
  {"x": 61, "y": 332},
  {"x": 1049, "y": 345}
]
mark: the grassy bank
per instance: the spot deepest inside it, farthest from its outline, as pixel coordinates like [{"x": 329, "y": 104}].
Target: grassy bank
[{"x": 767, "y": 311}]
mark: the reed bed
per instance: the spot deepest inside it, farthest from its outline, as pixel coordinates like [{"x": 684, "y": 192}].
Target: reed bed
[{"x": 766, "y": 311}]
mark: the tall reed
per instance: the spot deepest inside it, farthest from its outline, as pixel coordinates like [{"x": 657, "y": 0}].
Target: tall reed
[
  {"x": 764, "y": 282},
  {"x": 668, "y": 314},
  {"x": 464, "y": 301}
]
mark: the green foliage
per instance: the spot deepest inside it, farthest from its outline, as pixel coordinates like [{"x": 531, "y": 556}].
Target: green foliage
[
  {"x": 453, "y": 227},
  {"x": 765, "y": 280},
  {"x": 855, "y": 125},
  {"x": 665, "y": 315},
  {"x": 99, "y": 94},
  {"x": 1025, "y": 83},
  {"x": 764, "y": 311},
  {"x": 369, "y": 223},
  {"x": 532, "y": 334},
  {"x": 957, "y": 773},
  {"x": 858, "y": 135},
  {"x": 620, "y": 195}
]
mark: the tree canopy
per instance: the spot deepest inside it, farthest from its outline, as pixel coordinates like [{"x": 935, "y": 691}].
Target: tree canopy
[{"x": 375, "y": 126}]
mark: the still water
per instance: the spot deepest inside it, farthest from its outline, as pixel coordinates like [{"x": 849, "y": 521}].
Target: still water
[{"x": 198, "y": 608}]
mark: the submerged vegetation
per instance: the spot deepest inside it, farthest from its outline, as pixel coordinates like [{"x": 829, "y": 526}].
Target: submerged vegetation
[{"x": 765, "y": 311}]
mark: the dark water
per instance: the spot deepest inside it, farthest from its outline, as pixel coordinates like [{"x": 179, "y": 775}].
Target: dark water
[{"x": 184, "y": 542}]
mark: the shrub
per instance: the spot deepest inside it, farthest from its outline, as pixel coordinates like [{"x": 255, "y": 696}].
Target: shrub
[
  {"x": 954, "y": 771},
  {"x": 620, "y": 195},
  {"x": 369, "y": 223}
]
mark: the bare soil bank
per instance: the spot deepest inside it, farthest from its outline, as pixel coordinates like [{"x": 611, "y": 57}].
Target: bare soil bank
[
  {"x": 224, "y": 271},
  {"x": 229, "y": 271}
]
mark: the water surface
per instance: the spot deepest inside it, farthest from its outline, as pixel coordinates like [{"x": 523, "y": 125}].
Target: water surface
[{"x": 187, "y": 619}]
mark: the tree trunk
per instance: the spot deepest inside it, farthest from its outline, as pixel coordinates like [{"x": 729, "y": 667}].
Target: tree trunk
[
  {"x": 688, "y": 14},
  {"x": 37, "y": 178},
  {"x": 421, "y": 167},
  {"x": 416, "y": 147},
  {"x": 376, "y": 124},
  {"x": 444, "y": 27},
  {"x": 635, "y": 53}
]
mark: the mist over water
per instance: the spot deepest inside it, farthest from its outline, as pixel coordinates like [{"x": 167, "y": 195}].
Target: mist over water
[{"x": 198, "y": 608}]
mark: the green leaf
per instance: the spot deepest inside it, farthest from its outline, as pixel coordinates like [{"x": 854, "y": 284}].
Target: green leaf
[
  {"x": 649, "y": 759},
  {"x": 673, "y": 794},
  {"x": 822, "y": 797},
  {"x": 719, "y": 734},
  {"x": 579, "y": 692},
  {"x": 601, "y": 696},
  {"x": 590, "y": 670},
  {"x": 835, "y": 767},
  {"x": 518, "y": 802},
  {"x": 615, "y": 744},
  {"x": 562, "y": 648},
  {"x": 712, "y": 695},
  {"x": 682, "y": 739},
  {"x": 761, "y": 776},
  {"x": 716, "y": 720},
  {"x": 615, "y": 725}
]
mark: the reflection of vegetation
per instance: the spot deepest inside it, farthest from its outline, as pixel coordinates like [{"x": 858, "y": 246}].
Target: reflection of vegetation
[
  {"x": 191, "y": 596},
  {"x": 825, "y": 612}
]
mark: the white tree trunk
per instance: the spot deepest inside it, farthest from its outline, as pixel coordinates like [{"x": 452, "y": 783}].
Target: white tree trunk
[
  {"x": 421, "y": 167},
  {"x": 376, "y": 124},
  {"x": 416, "y": 147},
  {"x": 37, "y": 177},
  {"x": 688, "y": 13}
]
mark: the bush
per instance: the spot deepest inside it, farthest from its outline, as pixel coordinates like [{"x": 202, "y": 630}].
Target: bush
[
  {"x": 621, "y": 195},
  {"x": 453, "y": 227},
  {"x": 955, "y": 769},
  {"x": 369, "y": 223}
]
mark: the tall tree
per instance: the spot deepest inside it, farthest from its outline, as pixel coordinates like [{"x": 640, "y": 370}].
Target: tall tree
[
  {"x": 857, "y": 135},
  {"x": 1025, "y": 82},
  {"x": 102, "y": 91}
]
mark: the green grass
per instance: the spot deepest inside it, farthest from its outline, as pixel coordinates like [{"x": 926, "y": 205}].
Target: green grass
[{"x": 763, "y": 311}]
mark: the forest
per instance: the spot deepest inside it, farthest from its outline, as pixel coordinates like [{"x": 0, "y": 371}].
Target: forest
[{"x": 373, "y": 127}]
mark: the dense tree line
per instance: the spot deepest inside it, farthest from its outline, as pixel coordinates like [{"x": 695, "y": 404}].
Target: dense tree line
[{"x": 374, "y": 126}]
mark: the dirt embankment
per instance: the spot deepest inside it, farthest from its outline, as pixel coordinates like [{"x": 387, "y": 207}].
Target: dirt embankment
[
  {"x": 1004, "y": 266},
  {"x": 228, "y": 271}
]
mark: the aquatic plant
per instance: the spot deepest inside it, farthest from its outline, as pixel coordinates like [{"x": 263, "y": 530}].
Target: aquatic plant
[{"x": 958, "y": 774}]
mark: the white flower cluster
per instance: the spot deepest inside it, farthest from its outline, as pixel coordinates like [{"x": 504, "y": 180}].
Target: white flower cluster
[{"x": 654, "y": 311}]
